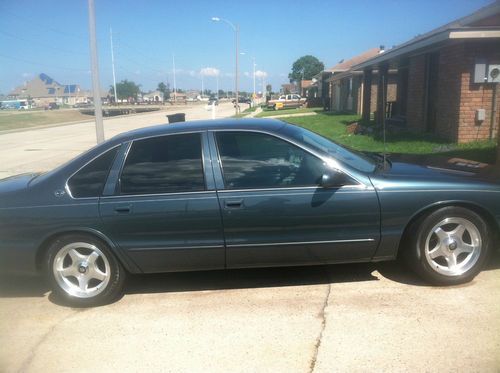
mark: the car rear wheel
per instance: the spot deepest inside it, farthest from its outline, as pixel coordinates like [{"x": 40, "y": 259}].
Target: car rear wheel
[
  {"x": 83, "y": 271},
  {"x": 448, "y": 246}
]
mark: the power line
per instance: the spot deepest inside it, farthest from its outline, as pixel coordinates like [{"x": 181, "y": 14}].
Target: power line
[
  {"x": 32, "y": 22},
  {"x": 141, "y": 64},
  {"x": 38, "y": 64},
  {"x": 36, "y": 43}
]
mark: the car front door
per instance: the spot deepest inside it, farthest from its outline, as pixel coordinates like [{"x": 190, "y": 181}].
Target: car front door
[
  {"x": 162, "y": 208},
  {"x": 274, "y": 212}
]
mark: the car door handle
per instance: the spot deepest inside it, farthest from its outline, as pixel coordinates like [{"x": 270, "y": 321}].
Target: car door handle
[
  {"x": 233, "y": 204},
  {"x": 123, "y": 209}
]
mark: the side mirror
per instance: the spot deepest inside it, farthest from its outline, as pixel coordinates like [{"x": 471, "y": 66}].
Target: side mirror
[{"x": 332, "y": 179}]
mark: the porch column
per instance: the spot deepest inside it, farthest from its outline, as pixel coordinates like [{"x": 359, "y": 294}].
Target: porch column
[
  {"x": 382, "y": 92},
  {"x": 367, "y": 94}
]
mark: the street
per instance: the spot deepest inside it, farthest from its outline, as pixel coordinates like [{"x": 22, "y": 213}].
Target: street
[
  {"x": 42, "y": 149},
  {"x": 355, "y": 317}
]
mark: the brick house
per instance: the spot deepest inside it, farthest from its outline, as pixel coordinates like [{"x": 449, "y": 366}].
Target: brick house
[
  {"x": 443, "y": 80},
  {"x": 305, "y": 88},
  {"x": 43, "y": 90},
  {"x": 346, "y": 84}
]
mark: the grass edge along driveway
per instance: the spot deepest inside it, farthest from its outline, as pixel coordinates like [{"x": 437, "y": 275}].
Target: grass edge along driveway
[{"x": 333, "y": 126}]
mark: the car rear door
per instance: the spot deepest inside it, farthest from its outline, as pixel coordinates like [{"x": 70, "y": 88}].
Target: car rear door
[
  {"x": 160, "y": 205},
  {"x": 273, "y": 211}
]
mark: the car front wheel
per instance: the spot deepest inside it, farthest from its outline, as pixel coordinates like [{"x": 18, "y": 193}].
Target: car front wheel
[
  {"x": 83, "y": 271},
  {"x": 448, "y": 246}
]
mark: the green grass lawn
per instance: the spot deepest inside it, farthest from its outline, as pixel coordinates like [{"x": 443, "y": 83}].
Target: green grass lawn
[
  {"x": 17, "y": 119},
  {"x": 272, "y": 113},
  {"x": 333, "y": 126},
  {"x": 245, "y": 112}
]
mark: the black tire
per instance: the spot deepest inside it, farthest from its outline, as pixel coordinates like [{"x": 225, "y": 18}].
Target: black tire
[
  {"x": 113, "y": 285},
  {"x": 414, "y": 250}
]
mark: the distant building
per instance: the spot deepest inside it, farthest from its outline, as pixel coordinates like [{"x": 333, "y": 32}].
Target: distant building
[
  {"x": 305, "y": 86},
  {"x": 347, "y": 84},
  {"x": 43, "y": 90},
  {"x": 177, "y": 96},
  {"x": 155, "y": 96},
  {"x": 289, "y": 88}
]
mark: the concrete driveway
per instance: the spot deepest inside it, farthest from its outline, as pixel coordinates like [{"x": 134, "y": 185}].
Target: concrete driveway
[
  {"x": 344, "y": 318},
  {"x": 362, "y": 317}
]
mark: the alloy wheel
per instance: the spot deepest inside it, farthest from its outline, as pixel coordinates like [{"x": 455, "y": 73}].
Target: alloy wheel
[
  {"x": 81, "y": 269},
  {"x": 453, "y": 246}
]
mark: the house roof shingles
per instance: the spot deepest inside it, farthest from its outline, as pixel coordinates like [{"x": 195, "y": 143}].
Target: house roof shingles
[{"x": 346, "y": 65}]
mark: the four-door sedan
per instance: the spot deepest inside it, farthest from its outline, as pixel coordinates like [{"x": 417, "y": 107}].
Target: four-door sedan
[{"x": 234, "y": 194}]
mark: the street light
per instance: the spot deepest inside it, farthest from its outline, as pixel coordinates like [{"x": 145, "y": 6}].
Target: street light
[
  {"x": 236, "y": 29},
  {"x": 254, "y": 65}
]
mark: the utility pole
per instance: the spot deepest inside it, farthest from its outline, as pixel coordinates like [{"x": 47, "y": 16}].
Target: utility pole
[
  {"x": 113, "y": 64},
  {"x": 99, "y": 128},
  {"x": 494, "y": 116},
  {"x": 217, "y": 84},
  {"x": 236, "y": 29},
  {"x": 237, "y": 32},
  {"x": 253, "y": 77},
  {"x": 202, "y": 87},
  {"x": 173, "y": 71}
]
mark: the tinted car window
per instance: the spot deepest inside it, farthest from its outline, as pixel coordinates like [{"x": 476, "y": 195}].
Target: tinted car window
[
  {"x": 351, "y": 157},
  {"x": 255, "y": 160},
  {"x": 164, "y": 165},
  {"x": 90, "y": 180}
]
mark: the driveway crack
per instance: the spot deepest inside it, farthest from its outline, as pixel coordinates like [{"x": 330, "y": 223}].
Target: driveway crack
[
  {"x": 322, "y": 315},
  {"x": 27, "y": 362}
]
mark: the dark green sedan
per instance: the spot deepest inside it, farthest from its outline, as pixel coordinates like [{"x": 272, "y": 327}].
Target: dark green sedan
[{"x": 237, "y": 194}]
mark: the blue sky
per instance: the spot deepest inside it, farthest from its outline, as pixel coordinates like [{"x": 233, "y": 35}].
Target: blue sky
[{"x": 51, "y": 36}]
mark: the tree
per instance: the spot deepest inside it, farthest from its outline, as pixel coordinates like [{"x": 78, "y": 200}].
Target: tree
[
  {"x": 269, "y": 88},
  {"x": 305, "y": 68},
  {"x": 165, "y": 89},
  {"x": 126, "y": 89}
]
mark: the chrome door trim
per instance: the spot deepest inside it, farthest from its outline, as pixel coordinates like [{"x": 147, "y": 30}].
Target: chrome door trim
[{"x": 302, "y": 243}]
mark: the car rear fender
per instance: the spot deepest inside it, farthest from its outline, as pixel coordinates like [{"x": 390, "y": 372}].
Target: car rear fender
[{"x": 44, "y": 245}]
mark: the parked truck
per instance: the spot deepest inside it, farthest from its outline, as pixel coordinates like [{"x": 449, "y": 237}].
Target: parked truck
[{"x": 289, "y": 101}]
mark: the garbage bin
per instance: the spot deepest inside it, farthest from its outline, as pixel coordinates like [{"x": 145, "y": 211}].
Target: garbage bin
[{"x": 178, "y": 117}]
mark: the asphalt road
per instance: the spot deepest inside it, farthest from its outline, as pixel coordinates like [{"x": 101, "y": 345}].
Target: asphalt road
[
  {"x": 343, "y": 318},
  {"x": 41, "y": 149}
]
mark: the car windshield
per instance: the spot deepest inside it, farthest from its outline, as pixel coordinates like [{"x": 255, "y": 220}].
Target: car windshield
[{"x": 352, "y": 158}]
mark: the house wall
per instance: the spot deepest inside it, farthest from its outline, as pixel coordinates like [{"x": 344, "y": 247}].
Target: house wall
[
  {"x": 458, "y": 97},
  {"x": 474, "y": 95}
]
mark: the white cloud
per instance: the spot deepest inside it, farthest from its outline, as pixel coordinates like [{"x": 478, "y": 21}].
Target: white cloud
[
  {"x": 260, "y": 74},
  {"x": 27, "y": 75},
  {"x": 209, "y": 71},
  {"x": 246, "y": 73}
]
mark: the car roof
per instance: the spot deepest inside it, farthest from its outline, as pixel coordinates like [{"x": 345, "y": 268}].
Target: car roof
[{"x": 202, "y": 125}]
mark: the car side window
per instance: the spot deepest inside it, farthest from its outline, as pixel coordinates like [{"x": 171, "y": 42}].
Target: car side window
[
  {"x": 89, "y": 181},
  {"x": 164, "y": 164},
  {"x": 253, "y": 160}
]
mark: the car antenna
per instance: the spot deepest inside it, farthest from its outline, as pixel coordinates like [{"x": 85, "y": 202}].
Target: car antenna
[{"x": 383, "y": 121}]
